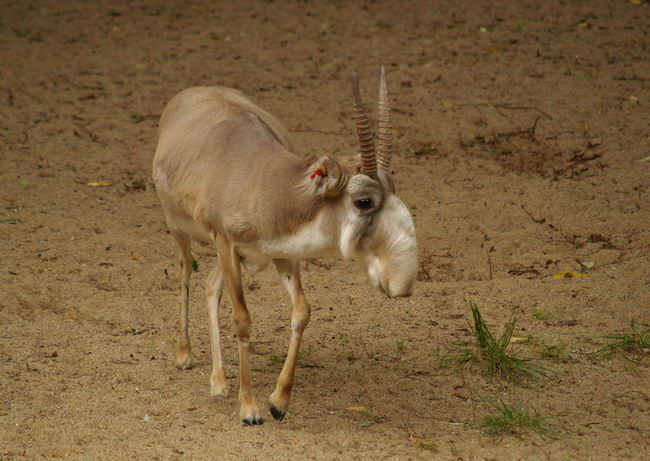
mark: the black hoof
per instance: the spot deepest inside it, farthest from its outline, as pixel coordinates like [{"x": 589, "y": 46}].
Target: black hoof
[
  {"x": 276, "y": 413},
  {"x": 253, "y": 421}
]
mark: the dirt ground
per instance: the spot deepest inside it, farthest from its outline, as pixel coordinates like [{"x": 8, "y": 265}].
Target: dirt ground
[{"x": 522, "y": 151}]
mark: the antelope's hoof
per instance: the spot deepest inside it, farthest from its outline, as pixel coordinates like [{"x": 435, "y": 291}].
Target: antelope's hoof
[
  {"x": 220, "y": 395},
  {"x": 184, "y": 363},
  {"x": 252, "y": 420},
  {"x": 183, "y": 356},
  {"x": 277, "y": 413},
  {"x": 219, "y": 389}
]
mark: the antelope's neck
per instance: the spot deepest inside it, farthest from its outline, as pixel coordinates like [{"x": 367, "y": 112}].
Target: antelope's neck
[{"x": 309, "y": 240}]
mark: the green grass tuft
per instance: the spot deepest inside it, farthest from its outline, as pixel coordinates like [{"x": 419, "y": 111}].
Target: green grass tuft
[
  {"x": 541, "y": 315},
  {"x": 516, "y": 420},
  {"x": 637, "y": 342},
  {"x": 492, "y": 352},
  {"x": 556, "y": 353},
  {"x": 401, "y": 346},
  {"x": 428, "y": 445}
]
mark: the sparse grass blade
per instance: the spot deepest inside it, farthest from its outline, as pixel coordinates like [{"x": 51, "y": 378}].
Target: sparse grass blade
[
  {"x": 516, "y": 420},
  {"x": 428, "y": 445},
  {"x": 460, "y": 353},
  {"x": 493, "y": 353},
  {"x": 637, "y": 342},
  {"x": 556, "y": 353}
]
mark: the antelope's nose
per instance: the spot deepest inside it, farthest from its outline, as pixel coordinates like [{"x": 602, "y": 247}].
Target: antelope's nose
[
  {"x": 399, "y": 292},
  {"x": 403, "y": 294}
]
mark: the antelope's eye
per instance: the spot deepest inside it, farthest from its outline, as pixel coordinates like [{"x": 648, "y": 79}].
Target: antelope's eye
[{"x": 363, "y": 204}]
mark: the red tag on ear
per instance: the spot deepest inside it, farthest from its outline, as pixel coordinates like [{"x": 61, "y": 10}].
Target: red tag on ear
[{"x": 318, "y": 172}]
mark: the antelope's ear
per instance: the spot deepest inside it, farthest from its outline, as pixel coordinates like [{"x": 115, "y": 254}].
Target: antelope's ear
[{"x": 326, "y": 177}]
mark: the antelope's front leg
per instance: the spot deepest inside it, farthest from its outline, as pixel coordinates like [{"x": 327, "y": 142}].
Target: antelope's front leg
[
  {"x": 300, "y": 312},
  {"x": 230, "y": 265}
]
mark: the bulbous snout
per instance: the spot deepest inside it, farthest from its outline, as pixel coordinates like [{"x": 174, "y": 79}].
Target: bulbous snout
[
  {"x": 392, "y": 253},
  {"x": 396, "y": 276},
  {"x": 400, "y": 288},
  {"x": 395, "y": 294},
  {"x": 402, "y": 293}
]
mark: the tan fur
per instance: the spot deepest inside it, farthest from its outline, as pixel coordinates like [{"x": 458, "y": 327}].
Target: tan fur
[
  {"x": 241, "y": 154},
  {"x": 225, "y": 174}
]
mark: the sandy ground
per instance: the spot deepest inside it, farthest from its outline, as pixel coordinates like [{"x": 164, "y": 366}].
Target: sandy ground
[{"x": 523, "y": 145}]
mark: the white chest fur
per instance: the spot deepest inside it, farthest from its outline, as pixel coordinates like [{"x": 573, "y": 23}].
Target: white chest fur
[{"x": 311, "y": 240}]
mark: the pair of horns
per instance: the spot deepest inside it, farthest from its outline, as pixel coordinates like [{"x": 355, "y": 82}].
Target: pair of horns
[{"x": 370, "y": 161}]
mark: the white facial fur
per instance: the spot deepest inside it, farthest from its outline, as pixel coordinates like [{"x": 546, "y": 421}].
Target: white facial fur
[{"x": 383, "y": 237}]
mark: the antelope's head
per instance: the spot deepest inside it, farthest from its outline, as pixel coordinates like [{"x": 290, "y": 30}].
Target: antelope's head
[{"x": 376, "y": 227}]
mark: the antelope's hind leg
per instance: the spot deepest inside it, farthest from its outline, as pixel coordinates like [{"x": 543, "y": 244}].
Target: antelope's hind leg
[
  {"x": 214, "y": 290},
  {"x": 300, "y": 311},
  {"x": 230, "y": 265},
  {"x": 183, "y": 351}
]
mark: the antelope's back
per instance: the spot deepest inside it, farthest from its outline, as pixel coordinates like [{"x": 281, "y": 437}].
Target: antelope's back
[
  {"x": 214, "y": 147},
  {"x": 204, "y": 124}
]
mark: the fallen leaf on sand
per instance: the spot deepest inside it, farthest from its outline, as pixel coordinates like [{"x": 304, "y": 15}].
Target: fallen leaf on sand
[{"x": 519, "y": 339}]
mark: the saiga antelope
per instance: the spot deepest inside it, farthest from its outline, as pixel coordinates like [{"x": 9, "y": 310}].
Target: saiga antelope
[{"x": 226, "y": 174}]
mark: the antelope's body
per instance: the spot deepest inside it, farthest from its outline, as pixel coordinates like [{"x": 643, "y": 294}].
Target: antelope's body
[{"x": 226, "y": 175}]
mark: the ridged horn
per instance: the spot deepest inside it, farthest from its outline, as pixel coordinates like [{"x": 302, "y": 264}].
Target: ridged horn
[
  {"x": 384, "y": 126},
  {"x": 368, "y": 160}
]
